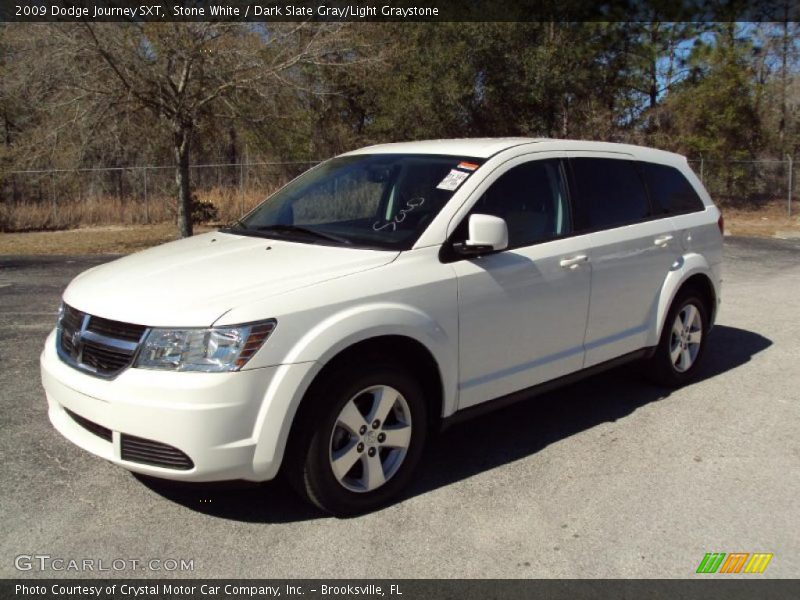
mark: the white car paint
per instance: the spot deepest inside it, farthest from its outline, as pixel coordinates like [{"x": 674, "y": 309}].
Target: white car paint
[
  {"x": 494, "y": 325},
  {"x": 193, "y": 282},
  {"x": 535, "y": 341}
]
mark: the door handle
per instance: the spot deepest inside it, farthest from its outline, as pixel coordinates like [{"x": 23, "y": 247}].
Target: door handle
[
  {"x": 574, "y": 262},
  {"x": 663, "y": 240}
]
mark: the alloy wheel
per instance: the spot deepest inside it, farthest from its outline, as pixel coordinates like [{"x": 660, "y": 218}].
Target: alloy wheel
[
  {"x": 370, "y": 438},
  {"x": 686, "y": 337}
]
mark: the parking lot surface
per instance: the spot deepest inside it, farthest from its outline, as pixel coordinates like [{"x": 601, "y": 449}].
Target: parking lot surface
[{"x": 610, "y": 477}]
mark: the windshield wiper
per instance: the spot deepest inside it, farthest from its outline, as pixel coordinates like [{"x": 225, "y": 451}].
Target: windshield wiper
[
  {"x": 304, "y": 230},
  {"x": 238, "y": 223}
]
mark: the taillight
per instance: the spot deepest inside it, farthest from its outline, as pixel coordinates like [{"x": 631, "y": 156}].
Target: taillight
[{"x": 721, "y": 224}]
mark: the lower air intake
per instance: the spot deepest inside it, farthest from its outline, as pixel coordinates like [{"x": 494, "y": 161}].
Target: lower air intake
[
  {"x": 90, "y": 426},
  {"x": 148, "y": 452}
]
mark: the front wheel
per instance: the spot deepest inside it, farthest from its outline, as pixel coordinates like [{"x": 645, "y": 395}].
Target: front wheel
[
  {"x": 364, "y": 437},
  {"x": 682, "y": 343}
]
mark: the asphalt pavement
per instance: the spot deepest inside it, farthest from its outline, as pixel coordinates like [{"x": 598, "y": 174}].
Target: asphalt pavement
[{"x": 611, "y": 477}]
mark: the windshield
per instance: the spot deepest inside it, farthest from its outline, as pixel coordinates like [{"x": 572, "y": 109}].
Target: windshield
[{"x": 376, "y": 200}]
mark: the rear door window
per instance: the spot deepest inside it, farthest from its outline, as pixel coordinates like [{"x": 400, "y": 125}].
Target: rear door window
[
  {"x": 610, "y": 193},
  {"x": 670, "y": 191}
]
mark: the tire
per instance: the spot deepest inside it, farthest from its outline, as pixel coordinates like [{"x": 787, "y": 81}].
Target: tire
[
  {"x": 683, "y": 342},
  {"x": 360, "y": 439}
]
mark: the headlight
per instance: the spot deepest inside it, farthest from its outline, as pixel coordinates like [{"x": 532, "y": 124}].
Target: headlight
[{"x": 213, "y": 350}]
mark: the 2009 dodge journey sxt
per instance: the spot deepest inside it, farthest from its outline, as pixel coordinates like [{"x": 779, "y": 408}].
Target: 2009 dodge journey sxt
[{"x": 377, "y": 296}]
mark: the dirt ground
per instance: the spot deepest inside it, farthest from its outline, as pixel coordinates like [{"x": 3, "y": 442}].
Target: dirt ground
[{"x": 771, "y": 221}]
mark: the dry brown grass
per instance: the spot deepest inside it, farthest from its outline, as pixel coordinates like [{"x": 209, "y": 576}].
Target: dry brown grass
[
  {"x": 114, "y": 239},
  {"x": 771, "y": 220},
  {"x": 86, "y": 212},
  {"x": 231, "y": 203},
  {"x": 95, "y": 211}
]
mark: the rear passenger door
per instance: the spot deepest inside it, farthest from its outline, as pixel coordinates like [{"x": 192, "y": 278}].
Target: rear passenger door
[
  {"x": 631, "y": 251},
  {"x": 673, "y": 195}
]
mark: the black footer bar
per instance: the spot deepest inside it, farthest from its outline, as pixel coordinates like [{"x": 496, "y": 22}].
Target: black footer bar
[{"x": 400, "y": 589}]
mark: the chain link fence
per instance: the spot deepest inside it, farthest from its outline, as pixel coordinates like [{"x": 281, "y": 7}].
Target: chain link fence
[
  {"x": 748, "y": 183},
  {"x": 131, "y": 195},
  {"x": 64, "y": 198}
]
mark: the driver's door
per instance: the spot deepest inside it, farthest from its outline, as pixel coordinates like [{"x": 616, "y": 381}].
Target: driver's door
[{"x": 522, "y": 311}]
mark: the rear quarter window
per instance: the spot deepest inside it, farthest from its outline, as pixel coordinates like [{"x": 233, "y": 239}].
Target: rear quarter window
[{"x": 670, "y": 191}]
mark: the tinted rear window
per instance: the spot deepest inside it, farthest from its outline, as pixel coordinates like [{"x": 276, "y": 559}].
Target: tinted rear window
[
  {"x": 670, "y": 190},
  {"x": 610, "y": 192}
]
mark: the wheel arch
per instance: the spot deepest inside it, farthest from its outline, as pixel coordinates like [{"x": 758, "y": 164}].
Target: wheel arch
[
  {"x": 402, "y": 333},
  {"x": 695, "y": 274},
  {"x": 701, "y": 283},
  {"x": 403, "y": 350}
]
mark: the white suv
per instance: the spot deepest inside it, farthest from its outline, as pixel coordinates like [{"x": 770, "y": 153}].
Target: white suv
[{"x": 378, "y": 297}]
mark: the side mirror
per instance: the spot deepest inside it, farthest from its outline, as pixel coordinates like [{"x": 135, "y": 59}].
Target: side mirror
[{"x": 486, "y": 234}]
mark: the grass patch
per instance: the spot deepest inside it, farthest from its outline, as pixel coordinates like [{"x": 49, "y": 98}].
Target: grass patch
[
  {"x": 111, "y": 239},
  {"x": 228, "y": 204},
  {"x": 770, "y": 220}
]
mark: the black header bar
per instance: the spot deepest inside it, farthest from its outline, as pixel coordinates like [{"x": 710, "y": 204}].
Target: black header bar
[{"x": 149, "y": 11}]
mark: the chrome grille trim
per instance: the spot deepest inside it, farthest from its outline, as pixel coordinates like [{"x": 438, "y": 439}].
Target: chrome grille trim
[
  {"x": 104, "y": 340},
  {"x": 97, "y": 353}
]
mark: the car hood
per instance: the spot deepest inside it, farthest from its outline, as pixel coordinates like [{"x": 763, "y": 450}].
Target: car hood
[{"x": 194, "y": 281}]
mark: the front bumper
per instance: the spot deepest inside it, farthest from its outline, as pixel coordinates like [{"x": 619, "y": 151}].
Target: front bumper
[{"x": 210, "y": 417}]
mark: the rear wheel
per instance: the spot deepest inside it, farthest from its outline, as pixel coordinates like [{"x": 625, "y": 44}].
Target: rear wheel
[
  {"x": 364, "y": 435},
  {"x": 682, "y": 343}
]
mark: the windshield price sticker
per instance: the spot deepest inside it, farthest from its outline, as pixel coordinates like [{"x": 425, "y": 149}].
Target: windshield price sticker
[{"x": 453, "y": 179}]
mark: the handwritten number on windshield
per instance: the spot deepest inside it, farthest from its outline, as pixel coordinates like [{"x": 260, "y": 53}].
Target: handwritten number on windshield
[{"x": 400, "y": 216}]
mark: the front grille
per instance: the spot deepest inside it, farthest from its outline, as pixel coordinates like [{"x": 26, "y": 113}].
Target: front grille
[
  {"x": 72, "y": 317},
  {"x": 71, "y": 321},
  {"x": 88, "y": 425},
  {"x": 104, "y": 358},
  {"x": 96, "y": 345},
  {"x": 116, "y": 329},
  {"x": 140, "y": 450}
]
